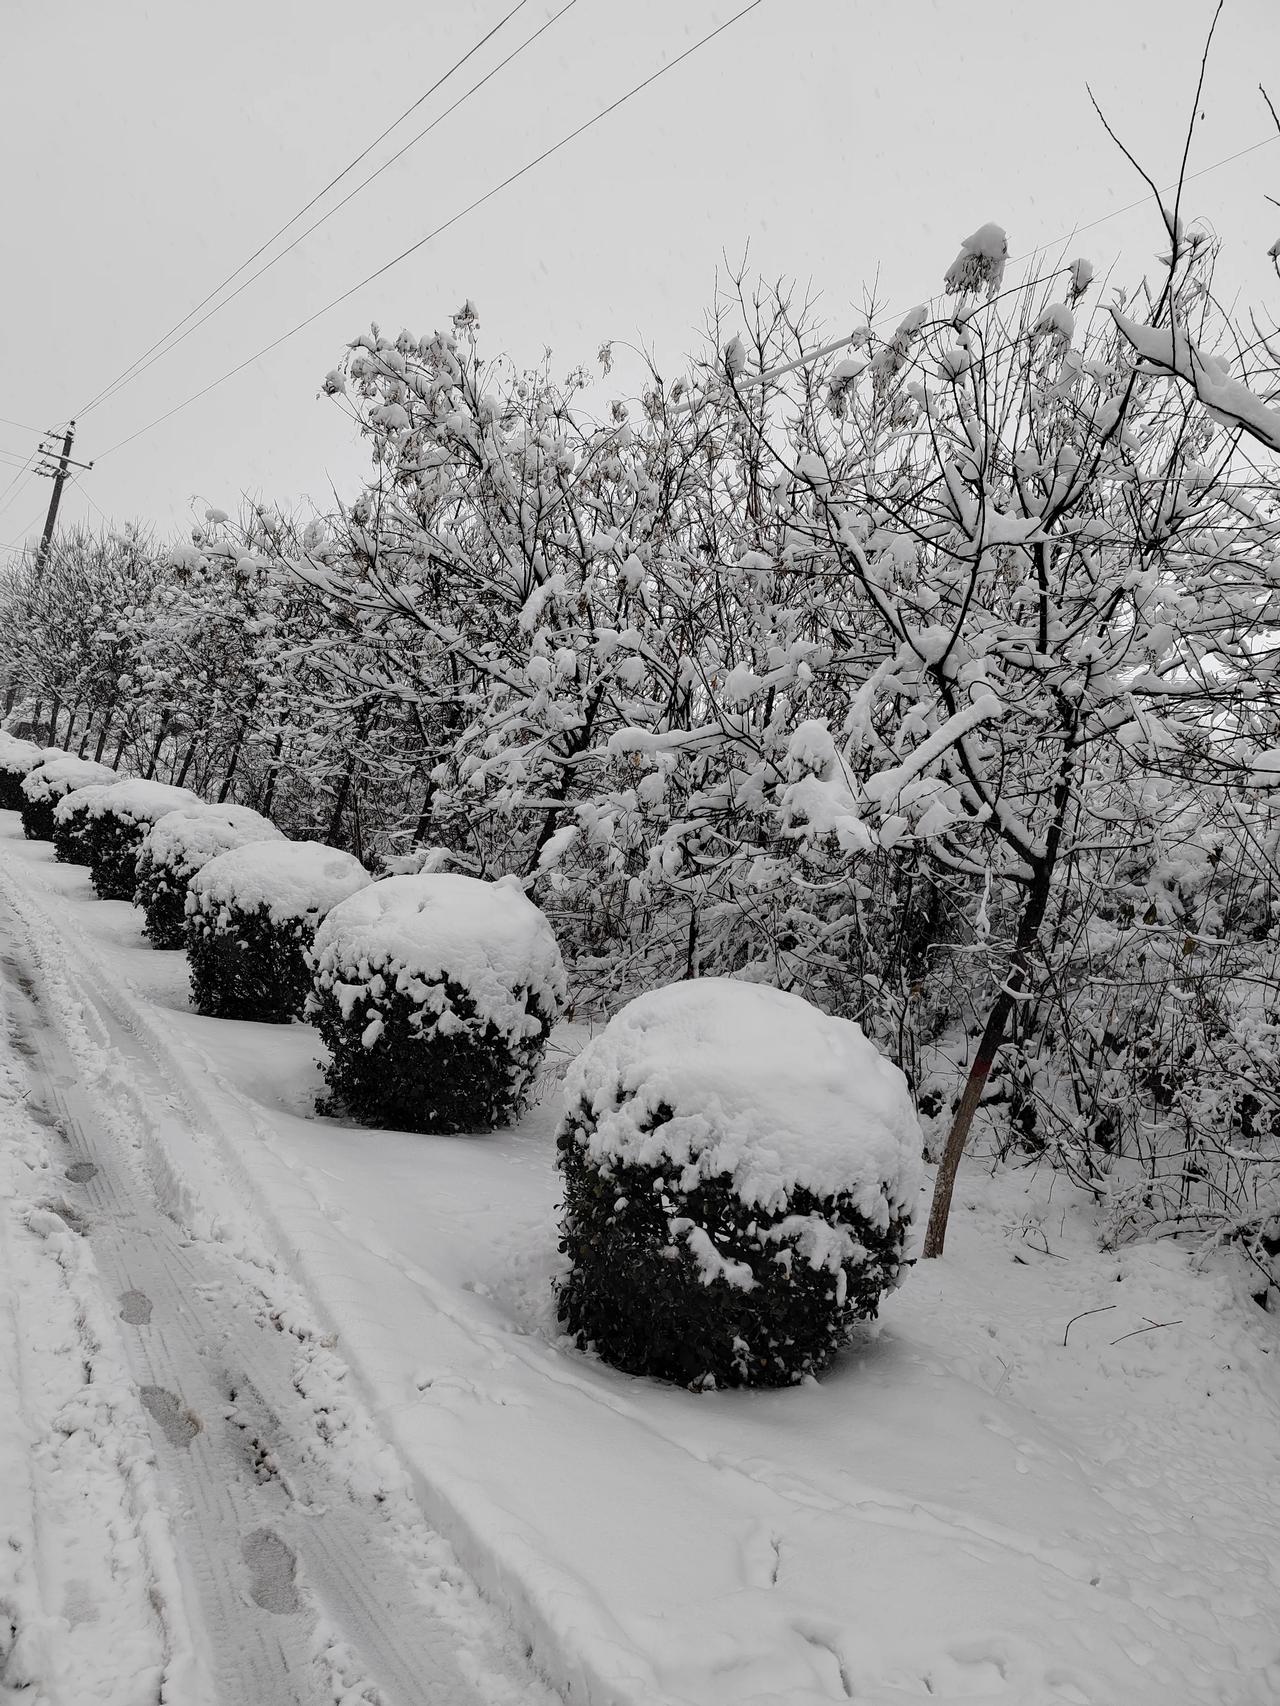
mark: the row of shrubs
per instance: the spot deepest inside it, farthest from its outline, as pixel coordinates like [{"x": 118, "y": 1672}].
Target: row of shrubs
[{"x": 739, "y": 1169}]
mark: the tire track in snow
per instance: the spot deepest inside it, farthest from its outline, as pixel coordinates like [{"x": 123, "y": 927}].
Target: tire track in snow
[
  {"x": 305, "y": 1593},
  {"x": 93, "y": 1612}
]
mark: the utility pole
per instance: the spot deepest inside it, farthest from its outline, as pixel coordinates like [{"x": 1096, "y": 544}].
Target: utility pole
[{"x": 58, "y": 475}]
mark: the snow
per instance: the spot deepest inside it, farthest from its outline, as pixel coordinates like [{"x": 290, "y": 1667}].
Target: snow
[
  {"x": 992, "y": 1495},
  {"x": 23, "y": 755},
  {"x": 291, "y": 879},
  {"x": 132, "y": 801},
  {"x": 488, "y": 938},
  {"x": 819, "y": 800},
  {"x": 1080, "y": 272},
  {"x": 1056, "y": 320},
  {"x": 981, "y": 262},
  {"x": 60, "y": 775},
  {"x": 1265, "y": 768},
  {"x": 887, "y": 785},
  {"x": 88, "y": 1578},
  {"x": 78, "y": 800},
  {"x": 763, "y": 1086},
  {"x": 1172, "y": 350},
  {"x": 557, "y": 845},
  {"x": 186, "y": 839}
]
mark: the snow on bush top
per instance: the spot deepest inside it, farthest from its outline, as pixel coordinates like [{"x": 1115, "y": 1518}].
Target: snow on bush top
[
  {"x": 761, "y": 1086},
  {"x": 138, "y": 801},
  {"x": 18, "y": 754},
  {"x": 489, "y": 938},
  {"x": 187, "y": 839},
  {"x": 56, "y": 776},
  {"x": 291, "y": 879},
  {"x": 79, "y": 799}
]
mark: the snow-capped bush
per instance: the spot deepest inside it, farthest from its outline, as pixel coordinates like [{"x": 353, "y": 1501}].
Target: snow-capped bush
[
  {"x": 46, "y": 783},
  {"x": 18, "y": 758},
  {"x": 252, "y": 913},
  {"x": 175, "y": 848},
  {"x": 71, "y": 823},
  {"x": 117, "y": 819},
  {"x": 435, "y": 994},
  {"x": 740, "y": 1173}
]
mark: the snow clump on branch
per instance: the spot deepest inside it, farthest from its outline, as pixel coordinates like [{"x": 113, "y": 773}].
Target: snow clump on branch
[{"x": 980, "y": 264}]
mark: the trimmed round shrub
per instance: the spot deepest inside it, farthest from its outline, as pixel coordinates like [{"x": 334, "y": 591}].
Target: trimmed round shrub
[
  {"x": 71, "y": 823},
  {"x": 119, "y": 818},
  {"x": 435, "y": 995},
  {"x": 175, "y": 848},
  {"x": 740, "y": 1174},
  {"x": 18, "y": 758},
  {"x": 252, "y": 914},
  {"x": 47, "y": 782}
]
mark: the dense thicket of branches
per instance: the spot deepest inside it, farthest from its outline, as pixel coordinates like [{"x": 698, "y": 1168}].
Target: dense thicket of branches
[{"x": 933, "y": 678}]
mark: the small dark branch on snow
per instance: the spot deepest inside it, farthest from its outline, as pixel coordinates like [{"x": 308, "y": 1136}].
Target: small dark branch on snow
[
  {"x": 1080, "y": 1317},
  {"x": 1149, "y": 1328}
]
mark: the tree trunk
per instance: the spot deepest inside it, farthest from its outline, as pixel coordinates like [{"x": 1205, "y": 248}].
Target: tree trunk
[
  {"x": 345, "y": 786},
  {"x": 340, "y": 804},
  {"x": 188, "y": 760},
  {"x": 425, "y": 815},
  {"x": 357, "y": 833},
  {"x": 269, "y": 793},
  {"x": 156, "y": 750},
  {"x": 1017, "y": 981},
  {"x": 988, "y": 1048},
  {"x": 238, "y": 748},
  {"x": 230, "y": 776}
]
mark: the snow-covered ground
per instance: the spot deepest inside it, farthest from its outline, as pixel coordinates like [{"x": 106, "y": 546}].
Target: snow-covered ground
[{"x": 1051, "y": 1475}]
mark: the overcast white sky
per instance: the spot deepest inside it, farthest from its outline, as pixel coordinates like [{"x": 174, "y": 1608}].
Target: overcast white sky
[{"x": 149, "y": 148}]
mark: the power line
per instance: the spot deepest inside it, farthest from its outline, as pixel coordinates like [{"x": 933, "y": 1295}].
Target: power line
[
  {"x": 529, "y": 166},
  {"x": 85, "y": 493},
  {"x": 413, "y": 248},
  {"x": 141, "y": 366},
  {"x": 750, "y": 380},
  {"x": 23, "y": 426},
  {"x": 24, "y": 532},
  {"x": 29, "y": 464},
  {"x": 127, "y": 372},
  {"x": 1142, "y": 201}
]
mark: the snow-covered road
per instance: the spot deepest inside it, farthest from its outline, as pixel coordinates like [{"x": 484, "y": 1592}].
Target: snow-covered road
[
  {"x": 196, "y": 1533},
  {"x": 290, "y": 1418}
]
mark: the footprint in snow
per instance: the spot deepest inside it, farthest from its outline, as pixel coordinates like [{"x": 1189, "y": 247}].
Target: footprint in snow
[
  {"x": 272, "y": 1568},
  {"x": 135, "y": 1308},
  {"x": 178, "y": 1424}
]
